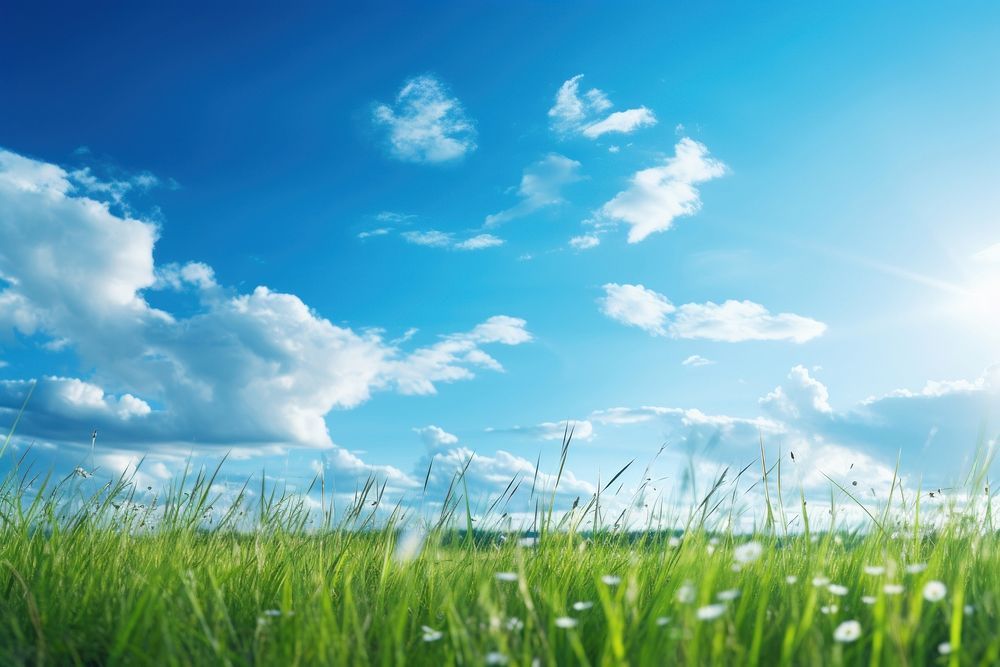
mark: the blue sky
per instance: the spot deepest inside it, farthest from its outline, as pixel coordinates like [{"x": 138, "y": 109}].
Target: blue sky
[{"x": 307, "y": 236}]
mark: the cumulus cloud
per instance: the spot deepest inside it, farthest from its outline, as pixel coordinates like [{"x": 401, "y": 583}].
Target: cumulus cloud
[
  {"x": 801, "y": 395},
  {"x": 736, "y": 321},
  {"x": 580, "y": 113},
  {"x": 435, "y": 437},
  {"x": 541, "y": 186},
  {"x": 490, "y": 474},
  {"x": 659, "y": 195},
  {"x": 637, "y": 306},
  {"x": 426, "y": 124},
  {"x": 247, "y": 369},
  {"x": 731, "y": 321}
]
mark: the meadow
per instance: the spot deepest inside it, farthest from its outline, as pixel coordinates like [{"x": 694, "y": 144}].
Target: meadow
[{"x": 96, "y": 573}]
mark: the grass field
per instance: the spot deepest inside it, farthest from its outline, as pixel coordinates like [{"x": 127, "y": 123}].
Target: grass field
[{"x": 110, "y": 574}]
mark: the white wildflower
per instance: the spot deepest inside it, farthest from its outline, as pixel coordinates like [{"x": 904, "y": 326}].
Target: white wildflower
[
  {"x": 874, "y": 570},
  {"x": 496, "y": 658},
  {"x": 916, "y": 568},
  {"x": 662, "y": 620},
  {"x": 791, "y": 579},
  {"x": 837, "y": 589},
  {"x": 829, "y": 609},
  {"x": 409, "y": 545},
  {"x": 506, "y": 576},
  {"x": 514, "y": 624},
  {"x": 685, "y": 594},
  {"x": 430, "y": 634},
  {"x": 582, "y": 606},
  {"x": 611, "y": 580},
  {"x": 934, "y": 591},
  {"x": 566, "y": 622},
  {"x": 747, "y": 553},
  {"x": 944, "y": 648},
  {"x": 868, "y": 599},
  {"x": 820, "y": 582},
  {"x": 892, "y": 589},
  {"x": 848, "y": 631},
  {"x": 727, "y": 596},
  {"x": 710, "y": 612}
]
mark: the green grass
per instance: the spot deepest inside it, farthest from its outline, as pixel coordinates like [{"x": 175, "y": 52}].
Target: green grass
[{"x": 112, "y": 574}]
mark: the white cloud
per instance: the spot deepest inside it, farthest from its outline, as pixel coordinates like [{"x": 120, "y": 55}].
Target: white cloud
[
  {"x": 479, "y": 242},
  {"x": 659, "y": 195},
  {"x": 582, "y": 429},
  {"x": 378, "y": 231},
  {"x": 989, "y": 255},
  {"x": 621, "y": 121},
  {"x": 637, "y": 306},
  {"x": 732, "y": 321},
  {"x": 435, "y": 437},
  {"x": 541, "y": 185},
  {"x": 802, "y": 395},
  {"x": 426, "y": 124},
  {"x": 697, "y": 360},
  {"x": 249, "y": 369},
  {"x": 487, "y": 475},
  {"x": 585, "y": 241},
  {"x": 431, "y": 238},
  {"x": 575, "y": 114},
  {"x": 736, "y": 321},
  {"x": 437, "y": 239}
]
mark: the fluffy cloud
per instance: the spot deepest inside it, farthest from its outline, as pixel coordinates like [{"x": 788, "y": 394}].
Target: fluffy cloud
[
  {"x": 801, "y": 395},
  {"x": 435, "y": 437},
  {"x": 486, "y": 475},
  {"x": 697, "y": 360},
  {"x": 426, "y": 124},
  {"x": 541, "y": 186},
  {"x": 247, "y": 369},
  {"x": 621, "y": 121},
  {"x": 637, "y": 306},
  {"x": 730, "y": 321},
  {"x": 573, "y": 113},
  {"x": 659, "y": 195},
  {"x": 736, "y": 321}
]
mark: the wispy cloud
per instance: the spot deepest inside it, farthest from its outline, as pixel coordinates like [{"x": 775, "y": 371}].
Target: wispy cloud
[
  {"x": 541, "y": 185},
  {"x": 731, "y": 321},
  {"x": 659, "y": 195},
  {"x": 426, "y": 123},
  {"x": 697, "y": 360},
  {"x": 437, "y": 239},
  {"x": 581, "y": 113},
  {"x": 585, "y": 242}
]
